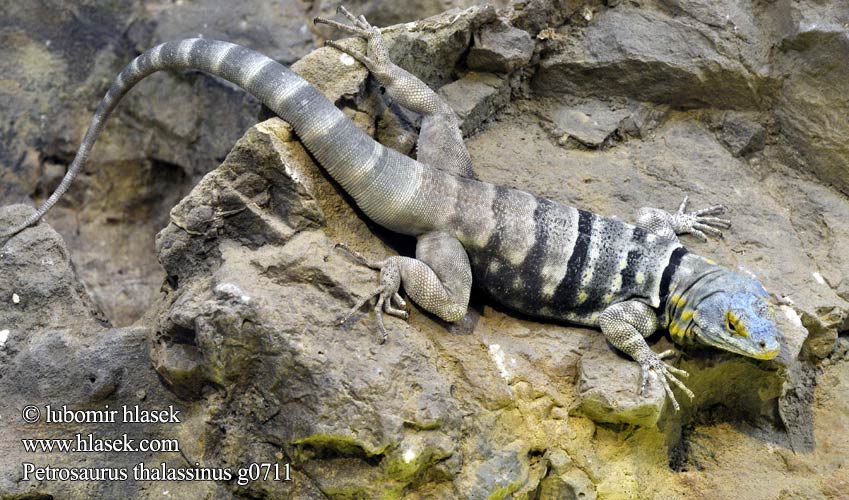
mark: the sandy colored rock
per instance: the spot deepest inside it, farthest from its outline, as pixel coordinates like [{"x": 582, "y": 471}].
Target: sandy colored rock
[
  {"x": 591, "y": 123},
  {"x": 608, "y": 389}
]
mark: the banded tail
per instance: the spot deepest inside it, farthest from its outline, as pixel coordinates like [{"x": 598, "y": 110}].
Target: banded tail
[{"x": 348, "y": 154}]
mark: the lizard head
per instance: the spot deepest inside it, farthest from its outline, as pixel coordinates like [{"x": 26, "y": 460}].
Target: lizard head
[{"x": 738, "y": 319}]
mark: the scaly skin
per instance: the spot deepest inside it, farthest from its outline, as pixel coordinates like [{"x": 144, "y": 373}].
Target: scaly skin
[{"x": 532, "y": 254}]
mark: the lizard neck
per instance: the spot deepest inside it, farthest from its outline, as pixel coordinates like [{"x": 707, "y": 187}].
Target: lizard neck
[{"x": 691, "y": 282}]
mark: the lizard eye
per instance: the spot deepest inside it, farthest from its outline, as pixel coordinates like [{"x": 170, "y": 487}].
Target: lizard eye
[{"x": 734, "y": 327}]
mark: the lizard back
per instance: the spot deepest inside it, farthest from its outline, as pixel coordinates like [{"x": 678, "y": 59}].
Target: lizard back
[{"x": 538, "y": 256}]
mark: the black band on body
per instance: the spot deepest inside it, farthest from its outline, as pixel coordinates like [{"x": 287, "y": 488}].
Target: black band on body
[
  {"x": 632, "y": 267},
  {"x": 566, "y": 295},
  {"x": 669, "y": 272}
]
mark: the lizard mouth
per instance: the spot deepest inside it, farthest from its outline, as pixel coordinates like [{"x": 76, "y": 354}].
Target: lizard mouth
[
  {"x": 771, "y": 354},
  {"x": 755, "y": 352}
]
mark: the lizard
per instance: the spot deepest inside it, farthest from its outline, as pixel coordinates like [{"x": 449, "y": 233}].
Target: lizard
[{"x": 536, "y": 256}]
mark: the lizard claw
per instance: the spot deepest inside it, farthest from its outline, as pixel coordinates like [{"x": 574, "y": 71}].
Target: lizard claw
[
  {"x": 386, "y": 292},
  {"x": 359, "y": 21},
  {"x": 655, "y": 367},
  {"x": 359, "y": 26},
  {"x": 376, "y": 58},
  {"x": 700, "y": 223}
]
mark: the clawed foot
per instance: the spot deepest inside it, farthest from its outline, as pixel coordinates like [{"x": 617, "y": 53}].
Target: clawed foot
[
  {"x": 655, "y": 366},
  {"x": 388, "y": 298},
  {"x": 360, "y": 27},
  {"x": 699, "y": 222}
]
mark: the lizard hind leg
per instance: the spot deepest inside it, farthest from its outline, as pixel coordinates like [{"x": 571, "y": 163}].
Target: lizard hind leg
[
  {"x": 440, "y": 144},
  {"x": 439, "y": 280}
]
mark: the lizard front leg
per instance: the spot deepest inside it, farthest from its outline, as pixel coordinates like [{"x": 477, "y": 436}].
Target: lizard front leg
[
  {"x": 670, "y": 225},
  {"x": 439, "y": 279},
  {"x": 440, "y": 143},
  {"x": 626, "y": 325}
]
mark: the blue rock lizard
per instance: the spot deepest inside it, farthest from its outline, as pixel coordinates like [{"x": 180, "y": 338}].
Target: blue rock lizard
[{"x": 534, "y": 255}]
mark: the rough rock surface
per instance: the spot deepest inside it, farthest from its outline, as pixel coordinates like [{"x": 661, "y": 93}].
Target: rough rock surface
[
  {"x": 475, "y": 98},
  {"x": 57, "y": 350},
  {"x": 591, "y": 123},
  {"x": 500, "y": 48},
  {"x": 242, "y": 338},
  {"x": 812, "y": 108},
  {"x": 659, "y": 58}
]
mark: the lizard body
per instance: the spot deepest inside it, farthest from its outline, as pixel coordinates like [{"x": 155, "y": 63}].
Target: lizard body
[{"x": 531, "y": 254}]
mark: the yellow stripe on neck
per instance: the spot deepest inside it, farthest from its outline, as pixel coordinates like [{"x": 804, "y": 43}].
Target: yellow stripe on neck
[{"x": 679, "y": 327}]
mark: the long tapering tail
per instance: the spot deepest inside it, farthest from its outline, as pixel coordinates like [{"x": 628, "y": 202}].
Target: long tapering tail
[{"x": 347, "y": 153}]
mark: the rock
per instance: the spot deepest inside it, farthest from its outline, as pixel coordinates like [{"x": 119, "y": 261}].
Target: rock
[
  {"x": 502, "y": 474},
  {"x": 841, "y": 350},
  {"x": 535, "y": 15},
  {"x": 388, "y": 14},
  {"x": 642, "y": 119},
  {"x": 58, "y": 351},
  {"x": 742, "y": 136},
  {"x": 39, "y": 284},
  {"x": 435, "y": 46},
  {"x": 500, "y": 48},
  {"x": 722, "y": 15},
  {"x": 822, "y": 331},
  {"x": 337, "y": 77},
  {"x": 794, "y": 407},
  {"x": 223, "y": 206},
  {"x": 608, "y": 389},
  {"x": 794, "y": 335},
  {"x": 591, "y": 123},
  {"x": 812, "y": 109},
  {"x": 743, "y": 387},
  {"x": 570, "y": 485},
  {"x": 181, "y": 368},
  {"x": 241, "y": 334},
  {"x": 641, "y": 63},
  {"x": 475, "y": 98},
  {"x": 395, "y": 130}
]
